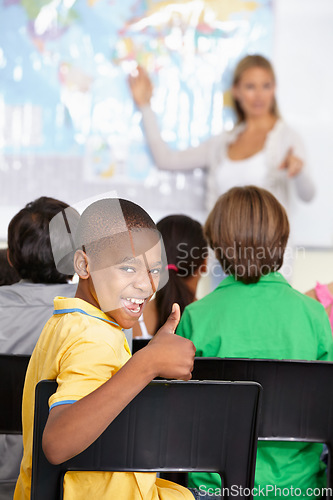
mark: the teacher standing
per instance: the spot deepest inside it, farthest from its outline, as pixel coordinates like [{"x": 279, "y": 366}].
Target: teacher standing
[{"x": 261, "y": 149}]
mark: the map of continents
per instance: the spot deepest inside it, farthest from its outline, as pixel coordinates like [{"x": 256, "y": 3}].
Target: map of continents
[{"x": 64, "y": 68}]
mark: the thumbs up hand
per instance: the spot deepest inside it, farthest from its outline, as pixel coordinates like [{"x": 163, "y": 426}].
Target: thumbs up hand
[{"x": 172, "y": 355}]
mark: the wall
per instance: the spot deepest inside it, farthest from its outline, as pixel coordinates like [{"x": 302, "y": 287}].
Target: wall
[
  {"x": 302, "y": 58},
  {"x": 310, "y": 266}
]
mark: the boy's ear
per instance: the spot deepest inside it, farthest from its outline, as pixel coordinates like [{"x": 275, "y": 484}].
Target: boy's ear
[
  {"x": 203, "y": 268},
  {"x": 8, "y": 258},
  {"x": 81, "y": 264}
]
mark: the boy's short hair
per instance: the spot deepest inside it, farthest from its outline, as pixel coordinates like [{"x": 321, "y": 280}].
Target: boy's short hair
[
  {"x": 106, "y": 223},
  {"x": 107, "y": 218},
  {"x": 103, "y": 225},
  {"x": 29, "y": 241},
  {"x": 248, "y": 229}
]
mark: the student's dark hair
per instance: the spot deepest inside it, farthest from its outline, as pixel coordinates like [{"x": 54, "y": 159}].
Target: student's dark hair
[
  {"x": 29, "y": 241},
  {"x": 186, "y": 250},
  {"x": 8, "y": 275},
  {"x": 248, "y": 230}
]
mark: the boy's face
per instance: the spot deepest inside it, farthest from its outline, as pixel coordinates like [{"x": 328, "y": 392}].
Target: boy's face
[{"x": 126, "y": 274}]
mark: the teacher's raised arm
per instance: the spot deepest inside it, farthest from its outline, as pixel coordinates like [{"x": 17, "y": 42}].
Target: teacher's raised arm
[
  {"x": 164, "y": 157},
  {"x": 261, "y": 149}
]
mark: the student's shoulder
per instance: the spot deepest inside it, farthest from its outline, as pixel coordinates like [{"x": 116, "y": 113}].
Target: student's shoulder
[
  {"x": 202, "y": 304},
  {"x": 78, "y": 328},
  {"x": 309, "y": 301},
  {"x": 26, "y": 292},
  {"x": 9, "y": 293}
]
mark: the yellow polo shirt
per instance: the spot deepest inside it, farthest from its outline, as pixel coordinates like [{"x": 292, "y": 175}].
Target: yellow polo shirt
[{"x": 81, "y": 349}]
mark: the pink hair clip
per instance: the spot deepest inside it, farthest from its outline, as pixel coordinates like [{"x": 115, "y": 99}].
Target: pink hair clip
[{"x": 172, "y": 266}]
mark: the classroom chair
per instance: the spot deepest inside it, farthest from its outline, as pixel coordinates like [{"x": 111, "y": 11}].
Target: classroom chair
[
  {"x": 138, "y": 344},
  {"x": 12, "y": 374},
  {"x": 170, "y": 425},
  {"x": 297, "y": 402}
]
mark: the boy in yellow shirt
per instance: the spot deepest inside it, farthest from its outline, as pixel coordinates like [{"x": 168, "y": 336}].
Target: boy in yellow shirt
[{"x": 119, "y": 264}]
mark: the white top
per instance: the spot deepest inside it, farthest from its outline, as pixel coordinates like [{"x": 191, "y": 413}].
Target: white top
[
  {"x": 143, "y": 328},
  {"x": 251, "y": 170}
]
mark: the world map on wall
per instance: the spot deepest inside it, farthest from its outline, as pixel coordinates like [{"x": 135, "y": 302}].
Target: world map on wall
[{"x": 64, "y": 67}]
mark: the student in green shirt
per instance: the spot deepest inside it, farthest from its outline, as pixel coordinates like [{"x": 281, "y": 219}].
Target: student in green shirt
[{"x": 255, "y": 313}]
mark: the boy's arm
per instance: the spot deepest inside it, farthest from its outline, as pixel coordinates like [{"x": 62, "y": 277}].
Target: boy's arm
[{"x": 71, "y": 428}]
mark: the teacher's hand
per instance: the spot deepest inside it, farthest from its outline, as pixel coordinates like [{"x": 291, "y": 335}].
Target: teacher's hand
[
  {"x": 293, "y": 164},
  {"x": 141, "y": 87}
]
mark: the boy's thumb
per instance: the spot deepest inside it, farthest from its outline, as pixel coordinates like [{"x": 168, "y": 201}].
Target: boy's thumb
[{"x": 174, "y": 317}]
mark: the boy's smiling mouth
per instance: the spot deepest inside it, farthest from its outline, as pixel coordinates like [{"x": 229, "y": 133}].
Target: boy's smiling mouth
[{"x": 134, "y": 305}]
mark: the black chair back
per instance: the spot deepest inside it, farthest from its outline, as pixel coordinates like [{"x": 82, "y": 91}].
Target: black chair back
[
  {"x": 170, "y": 425},
  {"x": 138, "y": 344},
  {"x": 12, "y": 374},
  {"x": 297, "y": 401}
]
